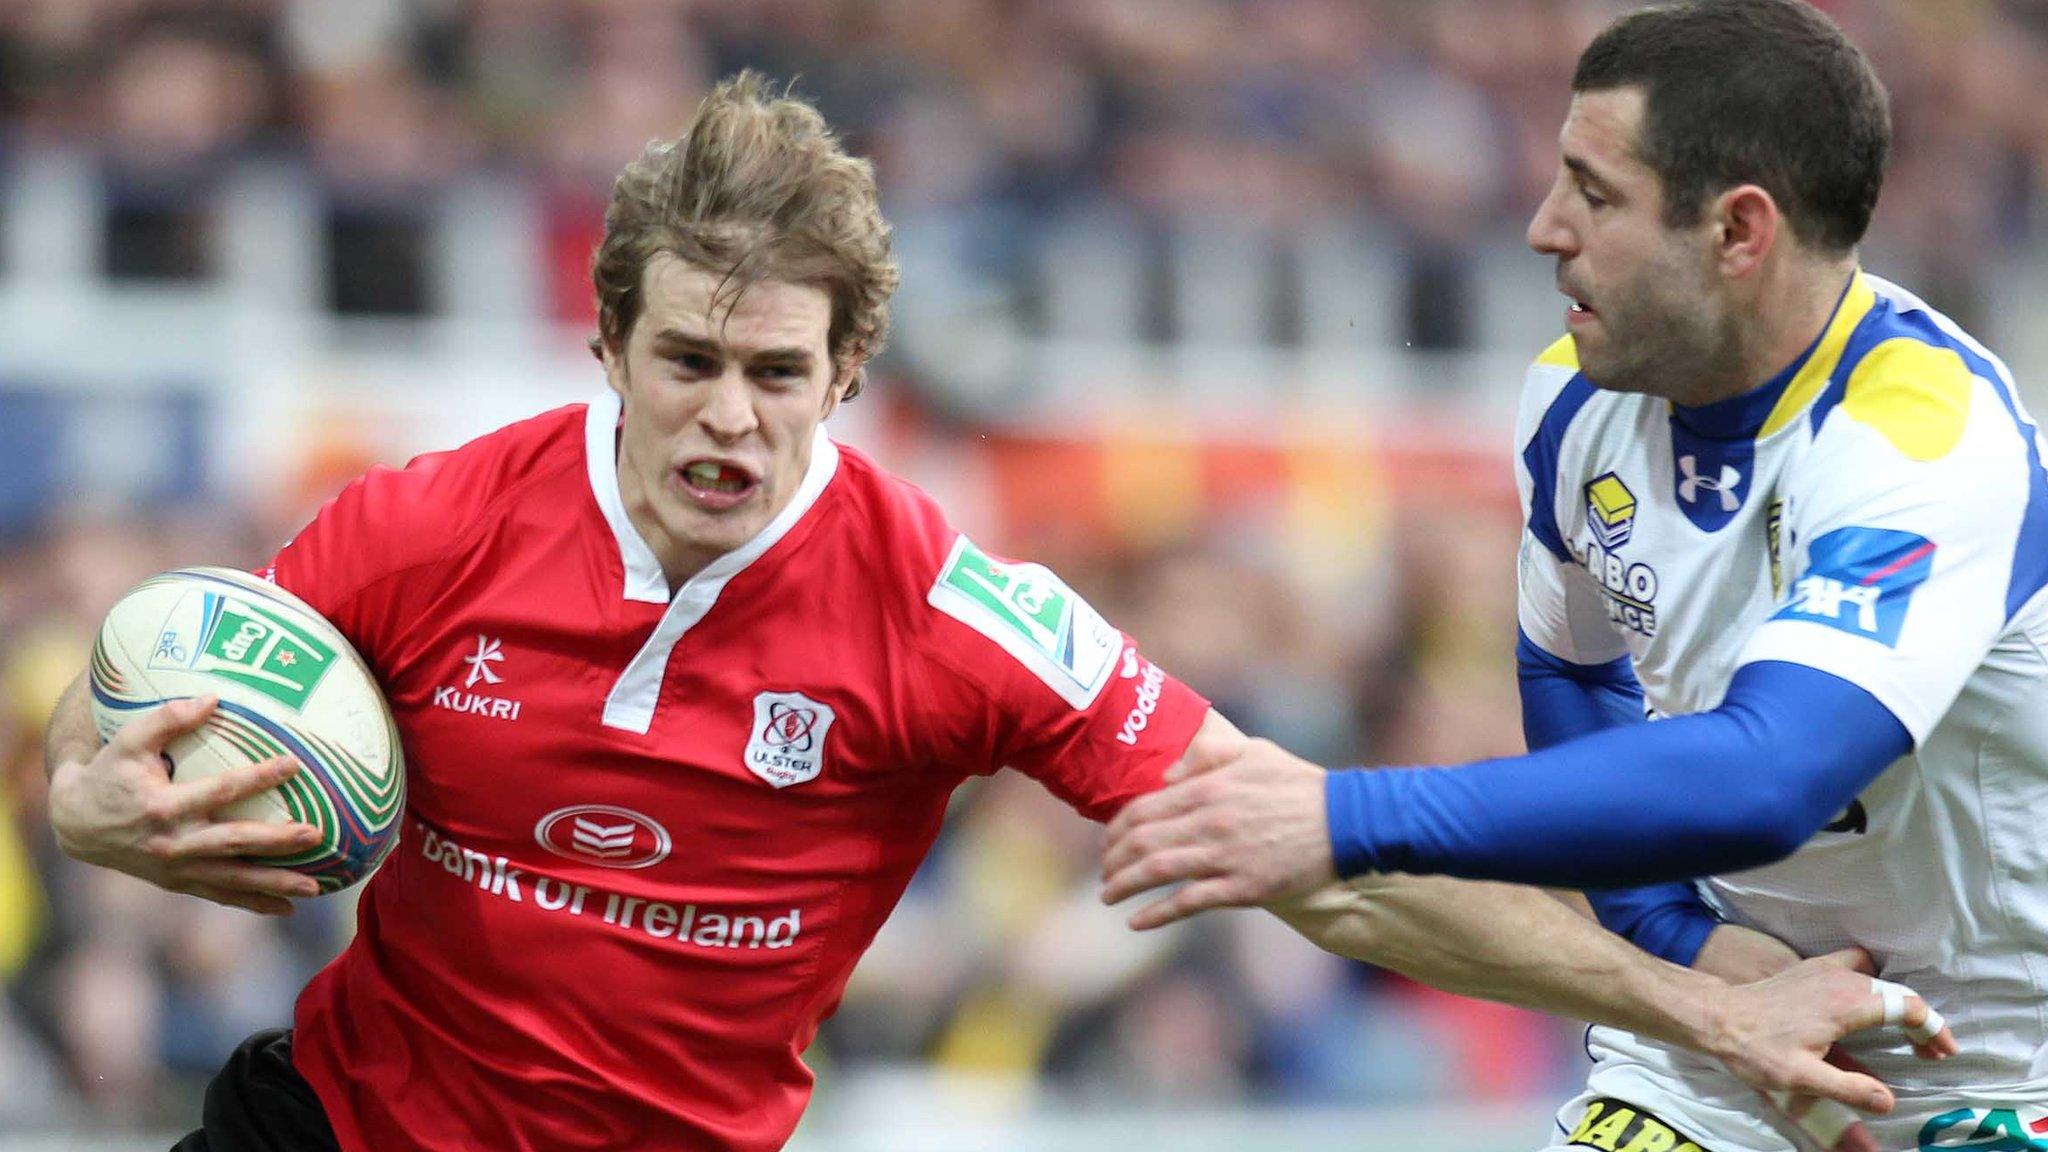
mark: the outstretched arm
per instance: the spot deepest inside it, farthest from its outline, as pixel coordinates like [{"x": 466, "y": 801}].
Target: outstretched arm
[
  {"x": 1519, "y": 946},
  {"x": 1250, "y": 824}
]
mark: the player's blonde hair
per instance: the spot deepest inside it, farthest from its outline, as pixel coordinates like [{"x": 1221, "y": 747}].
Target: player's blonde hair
[{"x": 756, "y": 188}]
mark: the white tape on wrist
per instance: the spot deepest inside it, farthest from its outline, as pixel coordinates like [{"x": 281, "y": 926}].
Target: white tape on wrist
[
  {"x": 1825, "y": 1120},
  {"x": 1895, "y": 1012}
]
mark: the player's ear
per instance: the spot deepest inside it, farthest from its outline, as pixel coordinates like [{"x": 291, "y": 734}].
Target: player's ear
[
  {"x": 846, "y": 380},
  {"x": 614, "y": 361},
  {"x": 1746, "y": 224}
]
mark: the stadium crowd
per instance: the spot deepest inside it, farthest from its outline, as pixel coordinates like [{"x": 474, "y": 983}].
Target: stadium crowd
[{"x": 990, "y": 121}]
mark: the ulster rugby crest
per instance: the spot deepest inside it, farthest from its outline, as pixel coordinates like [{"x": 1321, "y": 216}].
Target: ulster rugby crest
[
  {"x": 1610, "y": 511},
  {"x": 787, "y": 745}
]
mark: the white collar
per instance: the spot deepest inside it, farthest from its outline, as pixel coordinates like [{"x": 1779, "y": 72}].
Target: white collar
[{"x": 645, "y": 581}]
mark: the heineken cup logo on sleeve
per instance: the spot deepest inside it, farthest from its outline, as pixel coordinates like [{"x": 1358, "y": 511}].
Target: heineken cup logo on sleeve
[
  {"x": 241, "y": 642},
  {"x": 1035, "y": 616}
]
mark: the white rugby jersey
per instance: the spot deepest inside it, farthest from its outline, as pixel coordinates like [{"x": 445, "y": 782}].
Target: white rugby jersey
[{"x": 1878, "y": 512}]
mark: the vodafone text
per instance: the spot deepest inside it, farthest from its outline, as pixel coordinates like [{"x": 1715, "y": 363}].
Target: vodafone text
[
  {"x": 689, "y": 924},
  {"x": 1147, "y": 703}
]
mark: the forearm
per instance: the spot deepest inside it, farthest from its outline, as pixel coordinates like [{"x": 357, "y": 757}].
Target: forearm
[
  {"x": 1563, "y": 701},
  {"x": 1511, "y": 944},
  {"x": 1665, "y": 920},
  {"x": 71, "y": 737},
  {"x": 1619, "y": 807}
]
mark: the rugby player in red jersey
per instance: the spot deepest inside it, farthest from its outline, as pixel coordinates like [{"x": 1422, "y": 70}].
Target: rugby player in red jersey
[{"x": 684, "y": 688}]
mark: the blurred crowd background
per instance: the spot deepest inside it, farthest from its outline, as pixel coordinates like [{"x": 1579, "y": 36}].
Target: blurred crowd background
[{"x": 1216, "y": 306}]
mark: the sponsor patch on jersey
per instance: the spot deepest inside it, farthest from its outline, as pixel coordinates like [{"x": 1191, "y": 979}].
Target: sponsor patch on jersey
[
  {"x": 1988, "y": 1128},
  {"x": 1610, "y": 511},
  {"x": 603, "y": 834},
  {"x": 1774, "y": 542},
  {"x": 1711, "y": 476},
  {"x": 788, "y": 741},
  {"x": 1616, "y": 1126},
  {"x": 1861, "y": 581},
  {"x": 1629, "y": 589},
  {"x": 1034, "y": 616}
]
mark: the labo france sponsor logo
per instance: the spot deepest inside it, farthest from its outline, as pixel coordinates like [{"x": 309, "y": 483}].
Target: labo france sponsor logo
[
  {"x": 689, "y": 924},
  {"x": 1148, "y": 696},
  {"x": 1629, "y": 589}
]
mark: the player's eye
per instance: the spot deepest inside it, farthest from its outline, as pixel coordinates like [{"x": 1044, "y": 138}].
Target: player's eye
[
  {"x": 1593, "y": 199},
  {"x": 697, "y": 364}
]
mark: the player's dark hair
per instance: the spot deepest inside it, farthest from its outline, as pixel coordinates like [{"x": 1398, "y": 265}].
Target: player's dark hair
[{"x": 1764, "y": 92}]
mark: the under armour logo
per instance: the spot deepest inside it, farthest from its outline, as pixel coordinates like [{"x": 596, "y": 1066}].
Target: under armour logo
[
  {"x": 1689, "y": 488},
  {"x": 480, "y": 663}
]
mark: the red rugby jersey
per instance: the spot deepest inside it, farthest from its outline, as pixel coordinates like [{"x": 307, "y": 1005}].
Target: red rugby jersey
[{"x": 647, "y": 837}]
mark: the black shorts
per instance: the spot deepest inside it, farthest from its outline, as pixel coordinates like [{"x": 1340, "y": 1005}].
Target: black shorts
[{"x": 259, "y": 1103}]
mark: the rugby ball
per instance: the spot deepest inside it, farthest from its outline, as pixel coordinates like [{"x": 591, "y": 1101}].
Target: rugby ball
[{"x": 288, "y": 684}]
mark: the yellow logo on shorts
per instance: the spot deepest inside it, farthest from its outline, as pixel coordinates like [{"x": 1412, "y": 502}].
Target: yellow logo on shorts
[
  {"x": 1610, "y": 511},
  {"x": 1616, "y": 1126}
]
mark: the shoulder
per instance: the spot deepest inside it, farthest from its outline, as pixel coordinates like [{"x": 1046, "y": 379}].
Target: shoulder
[
  {"x": 1554, "y": 394},
  {"x": 1915, "y": 391},
  {"x": 901, "y": 529},
  {"x": 985, "y": 619},
  {"x": 1546, "y": 380},
  {"x": 483, "y": 469},
  {"x": 436, "y": 501}
]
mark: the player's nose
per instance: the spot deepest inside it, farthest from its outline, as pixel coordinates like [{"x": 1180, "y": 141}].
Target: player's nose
[
  {"x": 728, "y": 409},
  {"x": 1549, "y": 233}
]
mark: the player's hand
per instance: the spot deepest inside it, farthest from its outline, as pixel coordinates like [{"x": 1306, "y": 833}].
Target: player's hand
[
  {"x": 120, "y": 810},
  {"x": 1240, "y": 821},
  {"x": 1776, "y": 1035}
]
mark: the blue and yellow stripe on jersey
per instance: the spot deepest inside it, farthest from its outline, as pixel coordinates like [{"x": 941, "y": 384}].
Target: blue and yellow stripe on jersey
[
  {"x": 1540, "y": 457},
  {"x": 1758, "y": 413},
  {"x": 1908, "y": 374},
  {"x": 1775, "y": 405},
  {"x": 1883, "y": 360}
]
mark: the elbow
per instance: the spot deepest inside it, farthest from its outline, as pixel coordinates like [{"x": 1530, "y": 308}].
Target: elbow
[
  {"x": 1762, "y": 831},
  {"x": 1749, "y": 828},
  {"x": 1768, "y": 799},
  {"x": 1774, "y": 840}
]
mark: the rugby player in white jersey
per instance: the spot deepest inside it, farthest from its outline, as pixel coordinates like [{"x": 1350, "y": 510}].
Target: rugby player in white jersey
[{"x": 1800, "y": 516}]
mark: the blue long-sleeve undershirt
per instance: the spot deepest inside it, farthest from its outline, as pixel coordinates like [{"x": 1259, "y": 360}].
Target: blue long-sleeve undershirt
[
  {"x": 1737, "y": 787},
  {"x": 1562, "y": 700}
]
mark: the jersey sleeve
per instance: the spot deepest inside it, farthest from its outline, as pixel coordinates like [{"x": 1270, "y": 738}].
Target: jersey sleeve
[
  {"x": 1900, "y": 562},
  {"x": 1556, "y": 605},
  {"x": 1026, "y": 674},
  {"x": 348, "y": 562}
]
